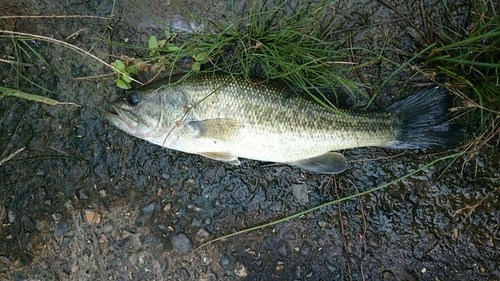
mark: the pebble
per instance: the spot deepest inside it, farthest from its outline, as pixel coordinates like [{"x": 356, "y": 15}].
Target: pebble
[
  {"x": 282, "y": 249},
  {"x": 184, "y": 274},
  {"x": 92, "y": 217},
  {"x": 12, "y": 216},
  {"x": 61, "y": 229},
  {"x": 305, "y": 249},
  {"x": 208, "y": 221},
  {"x": 125, "y": 243},
  {"x": 300, "y": 193},
  {"x": 150, "y": 239},
  {"x": 82, "y": 194},
  {"x": 181, "y": 242},
  {"x": 201, "y": 235},
  {"x": 149, "y": 209},
  {"x": 224, "y": 262},
  {"x": 240, "y": 270},
  {"x": 66, "y": 240}
]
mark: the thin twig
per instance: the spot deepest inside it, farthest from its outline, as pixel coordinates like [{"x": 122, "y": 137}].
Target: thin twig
[
  {"x": 299, "y": 214},
  {"x": 16, "y": 63},
  {"x": 53, "y": 17},
  {"x": 342, "y": 229}
]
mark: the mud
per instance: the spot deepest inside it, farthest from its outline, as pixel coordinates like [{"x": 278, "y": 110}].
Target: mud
[{"x": 85, "y": 201}]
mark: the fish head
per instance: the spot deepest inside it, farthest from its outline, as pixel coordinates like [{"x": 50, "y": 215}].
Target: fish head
[{"x": 142, "y": 115}]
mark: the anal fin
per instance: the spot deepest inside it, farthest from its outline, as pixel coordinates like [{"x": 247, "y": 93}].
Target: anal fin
[
  {"x": 328, "y": 163},
  {"x": 221, "y": 156}
]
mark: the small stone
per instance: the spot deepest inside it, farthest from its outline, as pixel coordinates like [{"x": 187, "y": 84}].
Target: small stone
[
  {"x": 66, "y": 240},
  {"x": 282, "y": 250},
  {"x": 224, "y": 262},
  {"x": 103, "y": 239},
  {"x": 64, "y": 253},
  {"x": 39, "y": 224},
  {"x": 240, "y": 270},
  {"x": 82, "y": 194},
  {"x": 131, "y": 230},
  {"x": 64, "y": 267},
  {"x": 305, "y": 249},
  {"x": 181, "y": 242},
  {"x": 201, "y": 235},
  {"x": 61, "y": 229},
  {"x": 103, "y": 193},
  {"x": 149, "y": 209},
  {"x": 275, "y": 207},
  {"x": 123, "y": 244},
  {"x": 298, "y": 271},
  {"x": 12, "y": 216},
  {"x": 196, "y": 223},
  {"x": 207, "y": 221},
  {"x": 300, "y": 193},
  {"x": 92, "y": 217},
  {"x": 108, "y": 228},
  {"x": 57, "y": 216},
  {"x": 167, "y": 207},
  {"x": 184, "y": 274},
  {"x": 150, "y": 239}
]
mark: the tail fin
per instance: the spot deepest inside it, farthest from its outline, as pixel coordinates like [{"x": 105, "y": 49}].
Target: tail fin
[{"x": 422, "y": 120}]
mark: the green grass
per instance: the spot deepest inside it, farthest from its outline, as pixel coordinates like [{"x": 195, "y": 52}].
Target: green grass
[
  {"x": 469, "y": 57},
  {"x": 272, "y": 43}
]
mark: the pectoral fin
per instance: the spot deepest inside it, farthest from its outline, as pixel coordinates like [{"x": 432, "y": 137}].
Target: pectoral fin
[
  {"x": 218, "y": 128},
  {"x": 328, "y": 163},
  {"x": 221, "y": 156}
]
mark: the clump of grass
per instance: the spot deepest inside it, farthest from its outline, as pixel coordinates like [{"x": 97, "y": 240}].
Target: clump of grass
[
  {"x": 470, "y": 57},
  {"x": 298, "y": 48}
]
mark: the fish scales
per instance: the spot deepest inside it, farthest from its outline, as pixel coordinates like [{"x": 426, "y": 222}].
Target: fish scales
[{"x": 264, "y": 107}]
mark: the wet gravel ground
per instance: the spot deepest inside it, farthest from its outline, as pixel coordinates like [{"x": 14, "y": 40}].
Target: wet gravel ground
[{"x": 85, "y": 201}]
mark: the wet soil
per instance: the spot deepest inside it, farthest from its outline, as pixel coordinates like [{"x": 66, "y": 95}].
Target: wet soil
[{"x": 84, "y": 201}]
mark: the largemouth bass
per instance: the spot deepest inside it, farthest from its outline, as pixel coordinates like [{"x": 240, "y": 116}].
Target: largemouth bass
[{"x": 224, "y": 117}]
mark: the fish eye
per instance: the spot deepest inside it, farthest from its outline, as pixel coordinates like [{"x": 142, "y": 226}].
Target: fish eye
[{"x": 133, "y": 98}]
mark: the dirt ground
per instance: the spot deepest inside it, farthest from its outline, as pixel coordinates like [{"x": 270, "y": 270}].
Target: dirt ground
[{"x": 85, "y": 201}]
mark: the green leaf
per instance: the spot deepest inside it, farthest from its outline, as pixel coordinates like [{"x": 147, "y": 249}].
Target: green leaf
[
  {"x": 201, "y": 57},
  {"x": 162, "y": 43},
  {"x": 31, "y": 97},
  {"x": 122, "y": 84},
  {"x": 126, "y": 79},
  {"x": 132, "y": 70},
  {"x": 196, "y": 66},
  {"x": 173, "y": 48},
  {"x": 118, "y": 64},
  {"x": 152, "y": 44}
]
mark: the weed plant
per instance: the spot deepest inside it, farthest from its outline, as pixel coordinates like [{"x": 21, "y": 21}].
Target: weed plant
[
  {"x": 296, "y": 47},
  {"x": 470, "y": 57}
]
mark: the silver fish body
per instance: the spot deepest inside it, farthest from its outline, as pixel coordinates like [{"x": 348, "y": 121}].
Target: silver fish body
[{"x": 224, "y": 117}]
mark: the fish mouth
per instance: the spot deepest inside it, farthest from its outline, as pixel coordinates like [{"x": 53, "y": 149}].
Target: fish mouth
[{"x": 121, "y": 118}]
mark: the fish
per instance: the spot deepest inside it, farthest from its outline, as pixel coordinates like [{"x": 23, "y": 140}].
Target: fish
[{"x": 225, "y": 117}]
